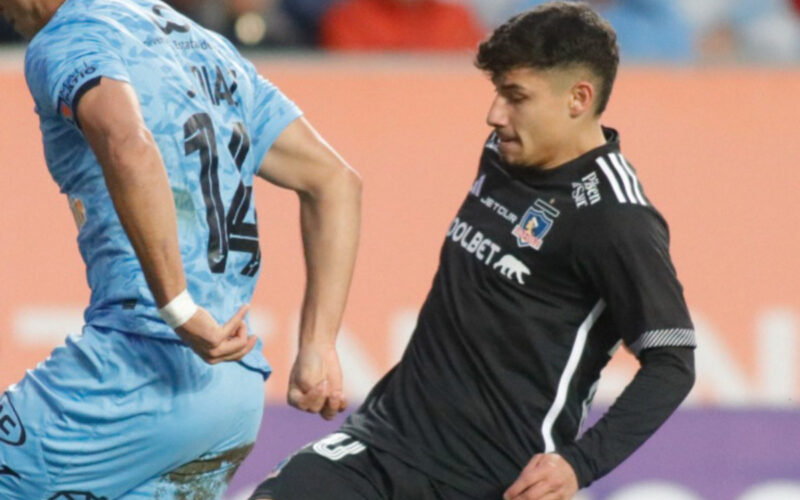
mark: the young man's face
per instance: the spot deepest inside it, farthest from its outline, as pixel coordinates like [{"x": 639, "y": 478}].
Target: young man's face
[{"x": 531, "y": 115}]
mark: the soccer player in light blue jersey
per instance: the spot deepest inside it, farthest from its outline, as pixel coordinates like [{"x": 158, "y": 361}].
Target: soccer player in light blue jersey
[{"x": 154, "y": 128}]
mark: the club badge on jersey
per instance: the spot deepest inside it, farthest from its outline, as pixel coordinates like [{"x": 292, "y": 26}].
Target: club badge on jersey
[{"x": 535, "y": 224}]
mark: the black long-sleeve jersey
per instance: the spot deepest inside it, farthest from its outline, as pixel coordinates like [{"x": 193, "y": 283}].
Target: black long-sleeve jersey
[{"x": 543, "y": 274}]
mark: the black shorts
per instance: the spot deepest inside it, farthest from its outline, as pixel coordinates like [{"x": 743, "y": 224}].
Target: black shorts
[{"x": 340, "y": 467}]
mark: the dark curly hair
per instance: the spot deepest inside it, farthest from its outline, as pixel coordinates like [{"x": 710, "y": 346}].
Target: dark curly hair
[{"x": 555, "y": 35}]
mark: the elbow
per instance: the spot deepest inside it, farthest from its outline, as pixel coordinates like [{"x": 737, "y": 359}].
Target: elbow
[
  {"x": 684, "y": 374},
  {"x": 136, "y": 143},
  {"x": 674, "y": 366},
  {"x": 130, "y": 149},
  {"x": 346, "y": 175},
  {"x": 348, "y": 188},
  {"x": 354, "y": 182},
  {"x": 341, "y": 184}
]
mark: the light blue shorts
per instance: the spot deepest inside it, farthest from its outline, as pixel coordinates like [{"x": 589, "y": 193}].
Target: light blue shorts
[{"x": 111, "y": 415}]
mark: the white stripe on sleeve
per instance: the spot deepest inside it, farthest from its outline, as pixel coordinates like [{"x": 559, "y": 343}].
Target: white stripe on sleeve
[
  {"x": 634, "y": 180},
  {"x": 611, "y": 180},
  {"x": 624, "y": 176}
]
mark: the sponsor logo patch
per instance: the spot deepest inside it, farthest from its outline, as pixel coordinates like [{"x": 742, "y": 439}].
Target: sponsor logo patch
[
  {"x": 535, "y": 224},
  {"x": 512, "y": 268},
  {"x": 11, "y": 429},
  {"x": 170, "y": 26},
  {"x": 499, "y": 209},
  {"x": 73, "y": 80},
  {"x": 473, "y": 241},
  {"x": 586, "y": 192}
]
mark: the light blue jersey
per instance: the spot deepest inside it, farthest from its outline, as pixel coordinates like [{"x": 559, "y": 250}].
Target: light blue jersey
[
  {"x": 125, "y": 410},
  {"x": 213, "y": 118}
]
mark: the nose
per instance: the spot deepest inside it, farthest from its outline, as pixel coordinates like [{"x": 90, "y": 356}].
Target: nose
[{"x": 497, "y": 116}]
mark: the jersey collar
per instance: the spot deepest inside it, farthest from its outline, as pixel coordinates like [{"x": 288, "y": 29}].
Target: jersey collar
[{"x": 566, "y": 170}]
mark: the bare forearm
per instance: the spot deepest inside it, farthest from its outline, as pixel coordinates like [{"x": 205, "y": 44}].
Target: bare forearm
[
  {"x": 330, "y": 222},
  {"x": 139, "y": 188}
]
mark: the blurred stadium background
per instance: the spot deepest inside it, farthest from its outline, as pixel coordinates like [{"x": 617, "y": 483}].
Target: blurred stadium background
[{"x": 707, "y": 105}]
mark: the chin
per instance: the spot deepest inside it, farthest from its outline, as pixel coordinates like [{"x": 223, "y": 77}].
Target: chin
[
  {"x": 506, "y": 158},
  {"x": 515, "y": 156},
  {"x": 514, "y": 160}
]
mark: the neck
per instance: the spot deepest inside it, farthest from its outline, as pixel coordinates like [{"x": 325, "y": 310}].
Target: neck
[
  {"x": 591, "y": 138},
  {"x": 41, "y": 12},
  {"x": 587, "y": 138}
]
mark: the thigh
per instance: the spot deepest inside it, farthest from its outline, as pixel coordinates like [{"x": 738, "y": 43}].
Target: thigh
[
  {"x": 206, "y": 478},
  {"x": 38, "y": 407},
  {"x": 339, "y": 466},
  {"x": 410, "y": 483},
  {"x": 336, "y": 466}
]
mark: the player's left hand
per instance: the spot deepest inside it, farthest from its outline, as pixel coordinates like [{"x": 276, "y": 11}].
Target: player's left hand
[
  {"x": 216, "y": 343},
  {"x": 546, "y": 477},
  {"x": 315, "y": 382}
]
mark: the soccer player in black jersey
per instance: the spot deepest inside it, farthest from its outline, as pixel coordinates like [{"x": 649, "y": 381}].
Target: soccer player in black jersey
[{"x": 555, "y": 258}]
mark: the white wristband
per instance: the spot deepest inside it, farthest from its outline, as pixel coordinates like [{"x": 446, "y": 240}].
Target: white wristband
[{"x": 179, "y": 310}]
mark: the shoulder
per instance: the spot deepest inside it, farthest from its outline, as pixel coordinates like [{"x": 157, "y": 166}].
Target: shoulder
[
  {"x": 612, "y": 228},
  {"x": 78, "y": 18},
  {"x": 616, "y": 218},
  {"x": 617, "y": 180},
  {"x": 67, "y": 51},
  {"x": 607, "y": 187},
  {"x": 59, "y": 36},
  {"x": 611, "y": 200}
]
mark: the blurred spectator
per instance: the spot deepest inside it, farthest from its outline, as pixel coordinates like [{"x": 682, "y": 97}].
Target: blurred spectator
[
  {"x": 399, "y": 25},
  {"x": 307, "y": 15},
  {"x": 492, "y": 13},
  {"x": 247, "y": 22},
  {"x": 7, "y": 33},
  {"x": 209, "y": 13},
  {"x": 745, "y": 30},
  {"x": 646, "y": 29}
]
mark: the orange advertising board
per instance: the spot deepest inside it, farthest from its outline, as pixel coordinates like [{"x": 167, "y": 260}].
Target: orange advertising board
[{"x": 716, "y": 150}]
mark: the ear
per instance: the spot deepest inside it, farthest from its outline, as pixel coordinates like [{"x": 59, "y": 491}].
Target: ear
[{"x": 581, "y": 98}]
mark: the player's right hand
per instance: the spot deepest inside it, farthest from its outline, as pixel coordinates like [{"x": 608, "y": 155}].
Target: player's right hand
[
  {"x": 546, "y": 477},
  {"x": 216, "y": 343},
  {"x": 315, "y": 383}
]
